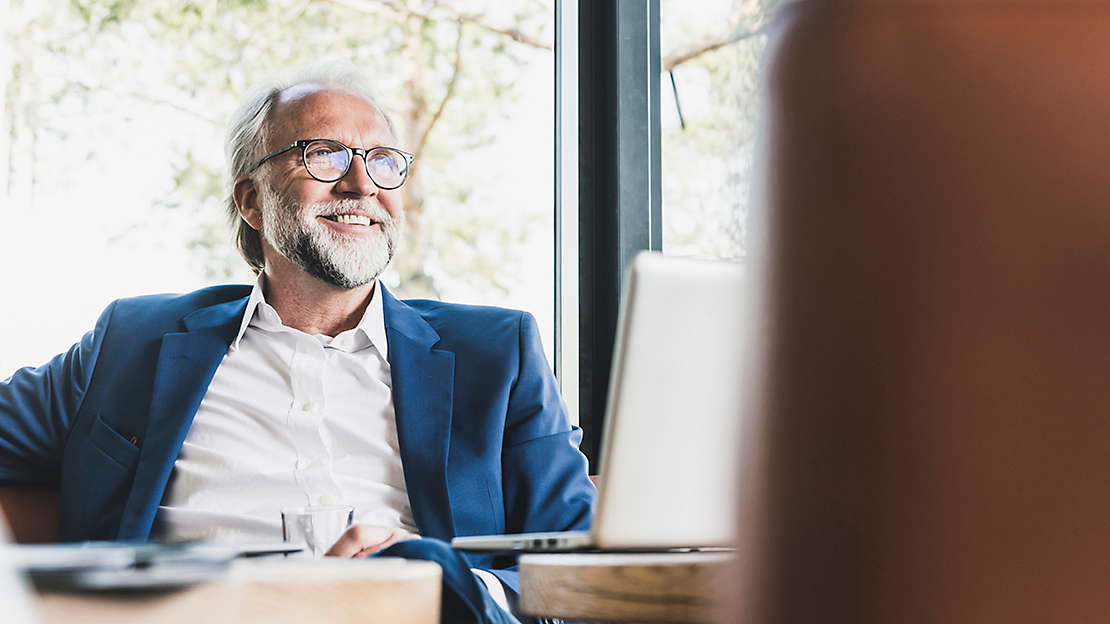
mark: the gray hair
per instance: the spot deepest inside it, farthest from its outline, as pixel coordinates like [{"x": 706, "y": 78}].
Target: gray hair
[{"x": 248, "y": 131}]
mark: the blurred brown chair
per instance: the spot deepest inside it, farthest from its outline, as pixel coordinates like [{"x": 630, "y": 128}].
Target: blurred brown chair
[
  {"x": 935, "y": 432},
  {"x": 31, "y": 512}
]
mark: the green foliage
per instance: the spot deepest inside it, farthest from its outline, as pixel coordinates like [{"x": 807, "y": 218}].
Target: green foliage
[{"x": 186, "y": 64}]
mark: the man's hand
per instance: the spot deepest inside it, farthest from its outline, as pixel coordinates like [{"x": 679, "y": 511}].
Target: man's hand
[{"x": 363, "y": 540}]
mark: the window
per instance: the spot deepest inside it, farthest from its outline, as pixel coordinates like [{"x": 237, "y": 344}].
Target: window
[
  {"x": 113, "y": 170},
  {"x": 112, "y": 167},
  {"x": 686, "y": 193},
  {"x": 709, "y": 96}
]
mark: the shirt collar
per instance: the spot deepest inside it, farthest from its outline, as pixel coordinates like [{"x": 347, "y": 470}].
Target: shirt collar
[
  {"x": 371, "y": 328},
  {"x": 248, "y": 314},
  {"x": 372, "y": 324}
]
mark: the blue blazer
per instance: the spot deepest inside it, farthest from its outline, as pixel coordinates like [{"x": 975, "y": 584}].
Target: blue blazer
[{"x": 485, "y": 441}]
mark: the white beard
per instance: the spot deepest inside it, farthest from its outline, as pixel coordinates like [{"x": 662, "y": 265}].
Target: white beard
[{"x": 346, "y": 261}]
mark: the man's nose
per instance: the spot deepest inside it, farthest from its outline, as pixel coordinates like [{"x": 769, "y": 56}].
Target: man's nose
[{"x": 356, "y": 182}]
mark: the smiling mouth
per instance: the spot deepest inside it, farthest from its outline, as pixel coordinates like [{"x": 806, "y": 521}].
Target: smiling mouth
[{"x": 351, "y": 219}]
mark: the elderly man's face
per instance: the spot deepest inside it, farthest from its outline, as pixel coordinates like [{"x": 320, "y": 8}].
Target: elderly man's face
[{"x": 343, "y": 232}]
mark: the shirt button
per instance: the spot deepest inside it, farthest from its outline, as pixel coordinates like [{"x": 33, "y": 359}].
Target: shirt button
[
  {"x": 308, "y": 406},
  {"x": 327, "y": 499}
]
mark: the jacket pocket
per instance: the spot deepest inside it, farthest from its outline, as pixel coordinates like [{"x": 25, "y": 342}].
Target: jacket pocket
[
  {"x": 112, "y": 444},
  {"x": 95, "y": 483}
]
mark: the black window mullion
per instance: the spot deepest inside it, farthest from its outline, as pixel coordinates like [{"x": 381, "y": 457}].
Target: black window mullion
[{"x": 619, "y": 188}]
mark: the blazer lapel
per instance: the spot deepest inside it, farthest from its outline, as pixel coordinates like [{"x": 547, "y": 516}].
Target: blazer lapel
[
  {"x": 423, "y": 385},
  {"x": 186, "y": 364}
]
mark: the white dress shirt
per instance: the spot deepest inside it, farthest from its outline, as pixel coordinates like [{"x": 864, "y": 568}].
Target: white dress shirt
[{"x": 290, "y": 420}]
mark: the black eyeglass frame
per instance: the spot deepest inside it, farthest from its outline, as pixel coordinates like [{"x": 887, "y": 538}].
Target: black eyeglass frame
[{"x": 352, "y": 152}]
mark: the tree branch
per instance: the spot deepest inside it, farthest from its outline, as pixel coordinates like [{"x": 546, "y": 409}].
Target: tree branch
[
  {"x": 81, "y": 86},
  {"x": 674, "y": 60},
  {"x": 511, "y": 33},
  {"x": 448, "y": 93},
  {"x": 380, "y": 7}
]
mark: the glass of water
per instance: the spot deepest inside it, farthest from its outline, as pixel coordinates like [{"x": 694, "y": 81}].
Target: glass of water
[{"x": 317, "y": 528}]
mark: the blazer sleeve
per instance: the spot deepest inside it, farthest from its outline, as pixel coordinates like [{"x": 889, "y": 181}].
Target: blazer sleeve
[
  {"x": 544, "y": 475},
  {"x": 38, "y": 407},
  {"x": 545, "y": 478}
]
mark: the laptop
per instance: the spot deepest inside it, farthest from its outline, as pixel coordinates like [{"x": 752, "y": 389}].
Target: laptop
[{"x": 672, "y": 433}]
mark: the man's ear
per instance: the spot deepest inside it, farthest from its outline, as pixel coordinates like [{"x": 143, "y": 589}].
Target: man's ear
[{"x": 245, "y": 193}]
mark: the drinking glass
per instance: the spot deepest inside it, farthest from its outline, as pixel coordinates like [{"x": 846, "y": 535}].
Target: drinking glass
[{"x": 317, "y": 527}]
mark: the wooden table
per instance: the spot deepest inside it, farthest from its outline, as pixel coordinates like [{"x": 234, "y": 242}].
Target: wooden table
[
  {"x": 393, "y": 591},
  {"x": 639, "y": 587}
]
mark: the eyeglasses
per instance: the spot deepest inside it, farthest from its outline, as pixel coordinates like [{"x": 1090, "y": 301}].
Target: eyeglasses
[{"x": 327, "y": 161}]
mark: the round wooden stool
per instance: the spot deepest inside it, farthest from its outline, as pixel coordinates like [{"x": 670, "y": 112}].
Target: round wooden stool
[{"x": 638, "y": 587}]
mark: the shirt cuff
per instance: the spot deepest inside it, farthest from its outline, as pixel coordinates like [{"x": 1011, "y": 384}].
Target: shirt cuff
[{"x": 496, "y": 589}]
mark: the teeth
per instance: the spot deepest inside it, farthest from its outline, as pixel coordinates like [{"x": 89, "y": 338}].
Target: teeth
[{"x": 353, "y": 219}]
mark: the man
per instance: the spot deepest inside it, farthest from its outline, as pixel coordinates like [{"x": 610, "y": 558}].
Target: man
[{"x": 202, "y": 415}]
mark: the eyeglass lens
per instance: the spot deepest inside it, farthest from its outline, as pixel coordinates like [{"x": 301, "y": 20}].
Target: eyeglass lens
[{"x": 328, "y": 161}]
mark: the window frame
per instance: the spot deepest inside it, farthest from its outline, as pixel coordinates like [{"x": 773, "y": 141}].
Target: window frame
[{"x": 607, "y": 183}]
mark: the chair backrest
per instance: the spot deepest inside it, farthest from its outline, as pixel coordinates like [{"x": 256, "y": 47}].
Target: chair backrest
[
  {"x": 936, "y": 424},
  {"x": 32, "y": 513}
]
